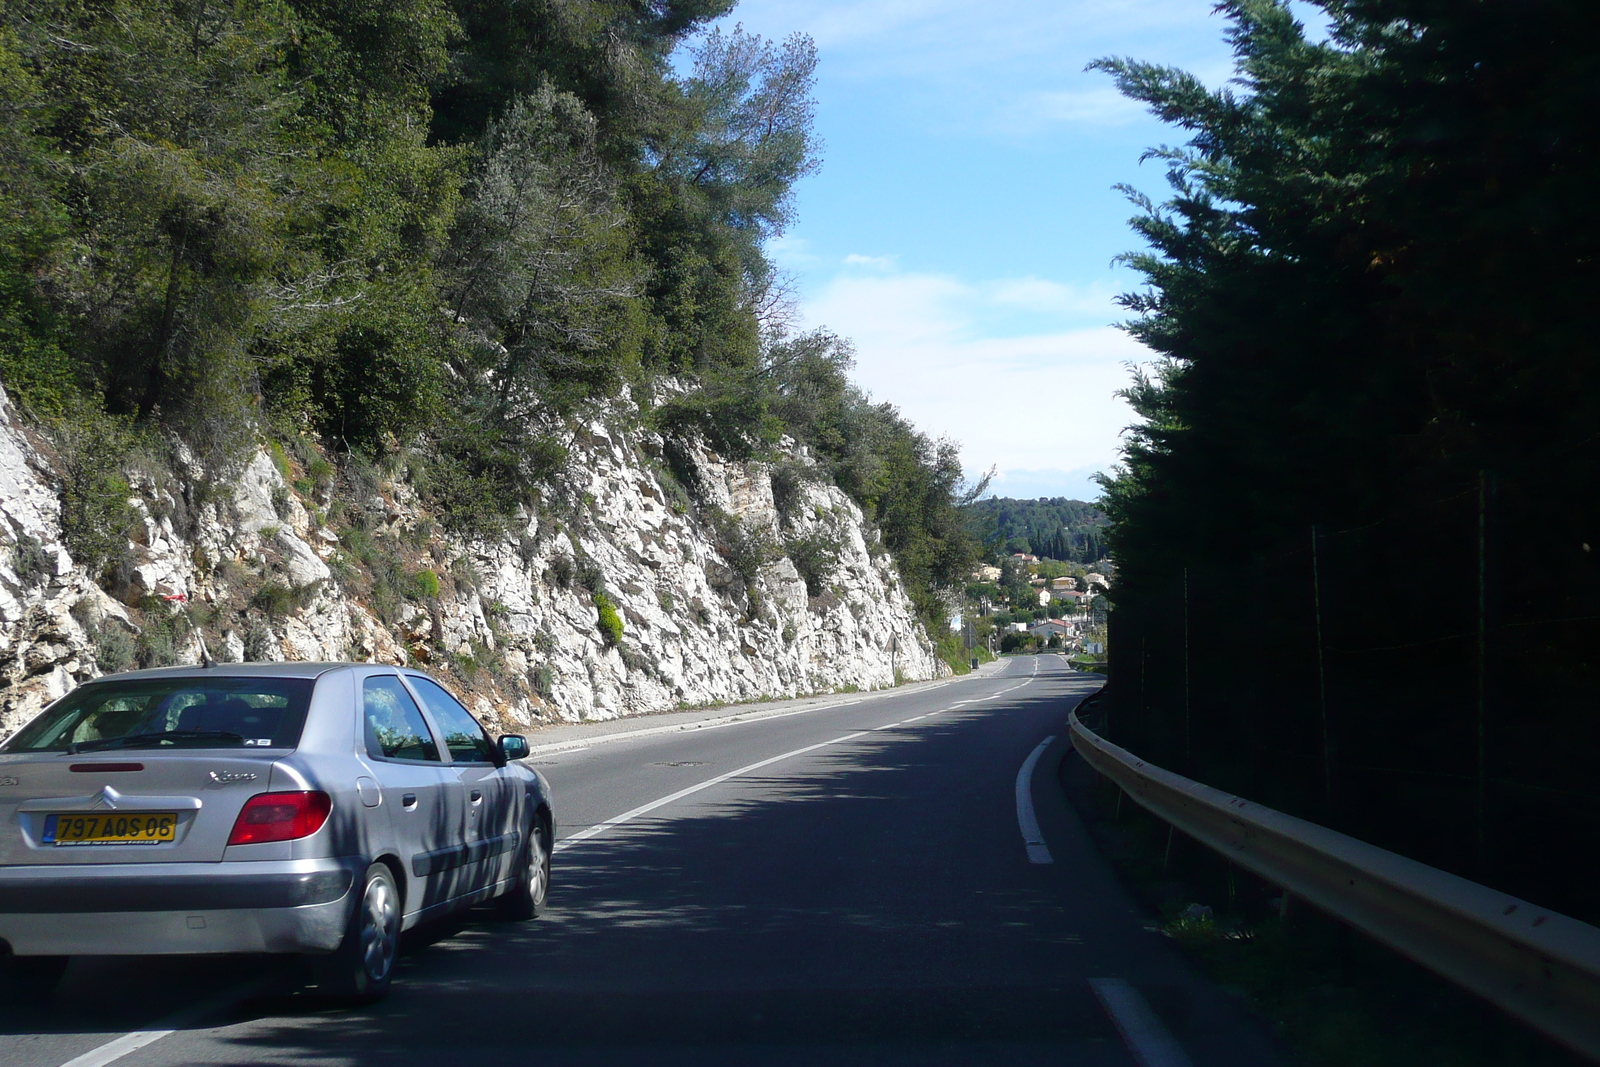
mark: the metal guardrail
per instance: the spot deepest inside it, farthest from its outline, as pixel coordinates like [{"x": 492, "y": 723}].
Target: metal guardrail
[{"x": 1542, "y": 967}]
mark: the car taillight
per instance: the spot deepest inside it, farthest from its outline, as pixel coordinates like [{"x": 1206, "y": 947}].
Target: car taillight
[{"x": 280, "y": 817}]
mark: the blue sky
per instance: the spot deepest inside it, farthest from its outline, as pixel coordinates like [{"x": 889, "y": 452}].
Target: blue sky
[{"x": 963, "y": 226}]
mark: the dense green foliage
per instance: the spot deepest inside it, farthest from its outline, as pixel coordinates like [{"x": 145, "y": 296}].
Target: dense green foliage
[
  {"x": 1049, "y": 527},
  {"x": 1371, "y": 442},
  {"x": 608, "y": 621},
  {"x": 439, "y": 227}
]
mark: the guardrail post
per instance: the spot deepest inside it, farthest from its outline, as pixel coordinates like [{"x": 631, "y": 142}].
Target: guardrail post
[{"x": 1536, "y": 964}]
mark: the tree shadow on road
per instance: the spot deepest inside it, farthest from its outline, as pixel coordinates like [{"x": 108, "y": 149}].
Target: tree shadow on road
[{"x": 871, "y": 896}]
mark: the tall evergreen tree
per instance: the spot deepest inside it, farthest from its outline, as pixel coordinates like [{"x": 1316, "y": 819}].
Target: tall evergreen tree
[{"x": 1374, "y": 293}]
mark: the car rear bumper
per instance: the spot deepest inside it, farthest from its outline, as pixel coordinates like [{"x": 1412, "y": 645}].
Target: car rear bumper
[{"x": 142, "y": 909}]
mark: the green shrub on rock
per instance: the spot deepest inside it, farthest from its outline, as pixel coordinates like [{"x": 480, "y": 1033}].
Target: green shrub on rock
[
  {"x": 96, "y": 516},
  {"x": 425, "y": 585},
  {"x": 610, "y": 622},
  {"x": 816, "y": 557}
]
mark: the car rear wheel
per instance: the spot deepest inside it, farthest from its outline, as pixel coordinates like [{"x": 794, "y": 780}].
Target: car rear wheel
[
  {"x": 525, "y": 899},
  {"x": 362, "y": 967}
]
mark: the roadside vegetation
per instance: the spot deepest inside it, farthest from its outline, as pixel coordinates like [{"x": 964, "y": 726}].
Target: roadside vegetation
[
  {"x": 1357, "y": 526},
  {"x": 1338, "y": 999},
  {"x": 428, "y": 235}
]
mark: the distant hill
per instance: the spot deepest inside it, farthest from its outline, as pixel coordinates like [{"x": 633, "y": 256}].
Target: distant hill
[{"x": 1051, "y": 527}]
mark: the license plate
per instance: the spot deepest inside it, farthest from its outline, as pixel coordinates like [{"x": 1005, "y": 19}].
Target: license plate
[{"x": 143, "y": 828}]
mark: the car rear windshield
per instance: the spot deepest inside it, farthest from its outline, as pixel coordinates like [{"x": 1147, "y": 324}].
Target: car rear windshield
[{"x": 210, "y": 712}]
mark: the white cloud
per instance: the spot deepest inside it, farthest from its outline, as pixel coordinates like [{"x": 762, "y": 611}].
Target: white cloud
[
  {"x": 1076, "y": 484},
  {"x": 792, "y": 253},
  {"x": 850, "y": 21},
  {"x": 1041, "y": 109},
  {"x": 876, "y": 38},
  {"x": 1009, "y": 69},
  {"x": 1043, "y": 295},
  {"x": 1043, "y": 402},
  {"x": 873, "y": 262}
]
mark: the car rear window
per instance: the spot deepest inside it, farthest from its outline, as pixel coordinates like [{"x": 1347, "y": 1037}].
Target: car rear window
[{"x": 209, "y": 712}]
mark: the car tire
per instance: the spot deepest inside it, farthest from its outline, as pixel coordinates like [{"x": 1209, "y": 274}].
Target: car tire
[
  {"x": 31, "y": 977},
  {"x": 531, "y": 883},
  {"x": 362, "y": 967}
]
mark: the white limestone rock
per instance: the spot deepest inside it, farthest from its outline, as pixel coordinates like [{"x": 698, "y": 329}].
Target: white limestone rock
[{"x": 691, "y": 634}]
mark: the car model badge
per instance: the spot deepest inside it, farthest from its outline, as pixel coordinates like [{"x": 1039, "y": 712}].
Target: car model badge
[
  {"x": 9, "y": 780},
  {"x": 233, "y": 776}
]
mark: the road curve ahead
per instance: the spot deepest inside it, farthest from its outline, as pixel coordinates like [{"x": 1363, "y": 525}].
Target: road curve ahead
[{"x": 896, "y": 880}]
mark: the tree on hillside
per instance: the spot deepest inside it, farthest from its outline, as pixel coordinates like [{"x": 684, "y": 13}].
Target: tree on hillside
[
  {"x": 430, "y": 231},
  {"x": 1049, "y": 527}
]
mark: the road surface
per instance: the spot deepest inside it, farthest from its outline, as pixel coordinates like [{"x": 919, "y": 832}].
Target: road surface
[{"x": 891, "y": 878}]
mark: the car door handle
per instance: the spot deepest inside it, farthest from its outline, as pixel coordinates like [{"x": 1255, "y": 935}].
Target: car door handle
[
  {"x": 477, "y": 795},
  {"x": 409, "y": 800}
]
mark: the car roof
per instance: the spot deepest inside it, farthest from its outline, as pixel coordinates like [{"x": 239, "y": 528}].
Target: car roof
[{"x": 233, "y": 670}]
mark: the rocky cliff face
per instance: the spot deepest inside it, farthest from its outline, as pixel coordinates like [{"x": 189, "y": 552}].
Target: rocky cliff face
[{"x": 655, "y": 576}]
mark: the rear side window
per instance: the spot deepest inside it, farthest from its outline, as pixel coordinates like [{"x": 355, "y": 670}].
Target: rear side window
[
  {"x": 395, "y": 728},
  {"x": 466, "y": 740},
  {"x": 206, "y": 712}
]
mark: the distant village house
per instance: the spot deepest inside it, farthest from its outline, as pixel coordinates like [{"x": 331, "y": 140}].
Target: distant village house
[{"x": 1051, "y": 628}]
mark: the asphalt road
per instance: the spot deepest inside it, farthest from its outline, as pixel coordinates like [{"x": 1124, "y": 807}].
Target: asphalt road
[{"x": 854, "y": 884}]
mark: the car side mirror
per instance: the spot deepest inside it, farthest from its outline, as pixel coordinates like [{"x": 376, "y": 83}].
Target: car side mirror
[{"x": 513, "y": 746}]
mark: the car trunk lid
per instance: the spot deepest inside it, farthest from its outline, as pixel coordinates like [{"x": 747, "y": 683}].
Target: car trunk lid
[{"x": 127, "y": 806}]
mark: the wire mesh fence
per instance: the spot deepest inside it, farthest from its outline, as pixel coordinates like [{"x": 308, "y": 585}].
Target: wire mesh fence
[{"x": 1426, "y": 682}]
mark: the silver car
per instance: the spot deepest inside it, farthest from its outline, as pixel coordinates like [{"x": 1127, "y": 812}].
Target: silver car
[{"x": 316, "y": 808}]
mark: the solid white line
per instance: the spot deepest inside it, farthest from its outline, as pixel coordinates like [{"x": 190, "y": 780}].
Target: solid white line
[
  {"x": 684, "y": 727},
  {"x": 119, "y": 1047},
  {"x": 115, "y": 1050},
  {"x": 1142, "y": 1032},
  {"x": 1029, "y": 823},
  {"x": 644, "y": 809},
  {"x": 737, "y": 718}
]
